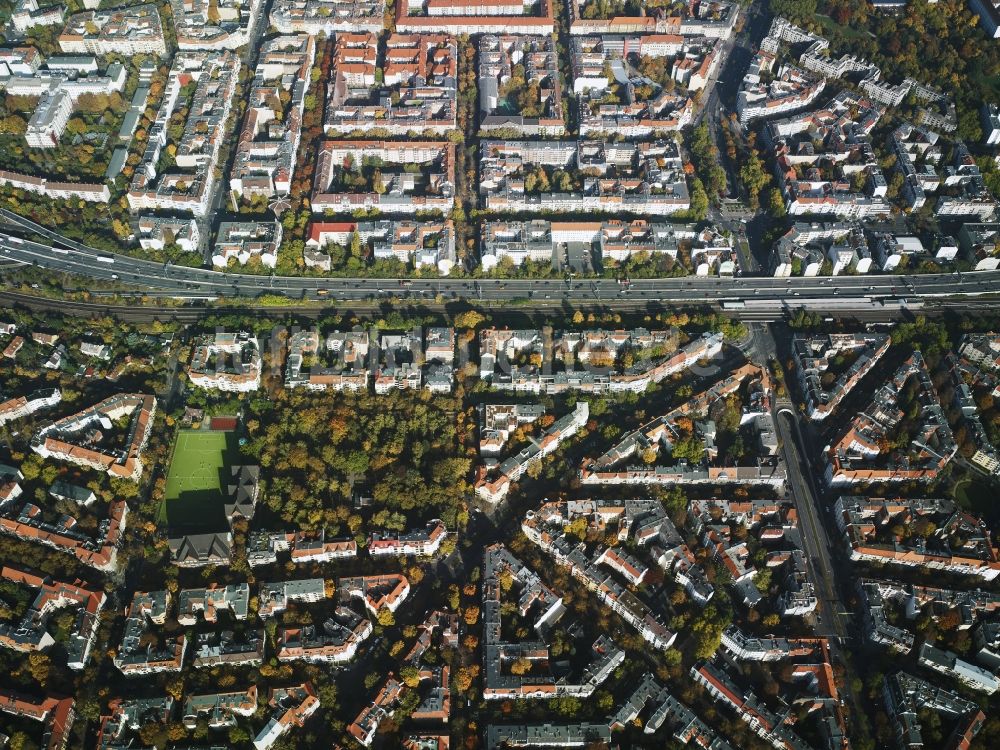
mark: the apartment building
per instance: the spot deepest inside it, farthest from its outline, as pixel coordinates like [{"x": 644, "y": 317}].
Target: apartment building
[
  {"x": 27, "y": 13},
  {"x": 158, "y": 232},
  {"x": 766, "y": 93},
  {"x": 69, "y": 439},
  {"x": 716, "y": 21},
  {"x": 969, "y": 198},
  {"x": 243, "y": 240},
  {"x": 274, "y": 597},
  {"x": 303, "y": 546},
  {"x": 289, "y": 707},
  {"x": 233, "y": 598},
  {"x": 226, "y": 362},
  {"x": 31, "y": 634},
  {"x": 540, "y": 240},
  {"x": 420, "y": 244},
  {"x": 338, "y": 361},
  {"x": 55, "y": 714},
  {"x": 980, "y": 245},
  {"x": 336, "y": 641},
  {"x": 376, "y": 592},
  {"x": 418, "y": 542},
  {"x": 57, "y": 91},
  {"x": 226, "y": 649},
  {"x": 948, "y": 664},
  {"x": 136, "y": 655},
  {"x": 497, "y": 422},
  {"x": 989, "y": 16},
  {"x": 907, "y": 698}
]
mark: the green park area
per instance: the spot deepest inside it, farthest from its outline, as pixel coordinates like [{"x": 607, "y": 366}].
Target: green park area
[{"x": 193, "y": 496}]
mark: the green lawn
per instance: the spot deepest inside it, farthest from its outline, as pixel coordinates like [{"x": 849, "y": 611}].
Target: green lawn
[{"x": 194, "y": 490}]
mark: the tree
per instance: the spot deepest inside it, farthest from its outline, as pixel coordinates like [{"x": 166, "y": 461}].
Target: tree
[
  {"x": 795, "y": 10},
  {"x": 471, "y": 615},
  {"x": 410, "y": 675},
  {"x": 775, "y": 203},
  {"x": 386, "y": 618},
  {"x": 469, "y": 319},
  {"x": 753, "y": 176},
  {"x": 520, "y": 666}
]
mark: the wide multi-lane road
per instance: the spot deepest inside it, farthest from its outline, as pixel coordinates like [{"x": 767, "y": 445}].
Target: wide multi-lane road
[{"x": 841, "y": 294}]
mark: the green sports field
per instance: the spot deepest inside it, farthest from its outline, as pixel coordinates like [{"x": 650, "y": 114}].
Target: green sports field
[{"x": 194, "y": 491}]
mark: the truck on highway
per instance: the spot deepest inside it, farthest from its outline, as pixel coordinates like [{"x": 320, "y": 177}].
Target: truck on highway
[{"x": 106, "y": 258}]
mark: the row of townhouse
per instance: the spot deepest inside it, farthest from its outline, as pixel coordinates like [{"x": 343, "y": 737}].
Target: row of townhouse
[
  {"x": 817, "y": 357},
  {"x": 866, "y": 525},
  {"x": 31, "y": 632},
  {"x": 716, "y": 20},
  {"x": 503, "y": 351},
  {"x": 430, "y": 187},
  {"x": 860, "y": 452},
  {"x": 226, "y": 362},
  {"x": 264, "y": 163},
  {"x": 421, "y": 244},
  {"x": 128, "y": 31},
  {"x": 215, "y": 24},
  {"x": 613, "y": 240},
  {"x": 415, "y": 90},
  {"x": 494, "y": 486},
  {"x": 643, "y": 178},
  {"x": 536, "y": 59},
  {"x": 22, "y": 406},
  {"x": 187, "y": 186}
]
